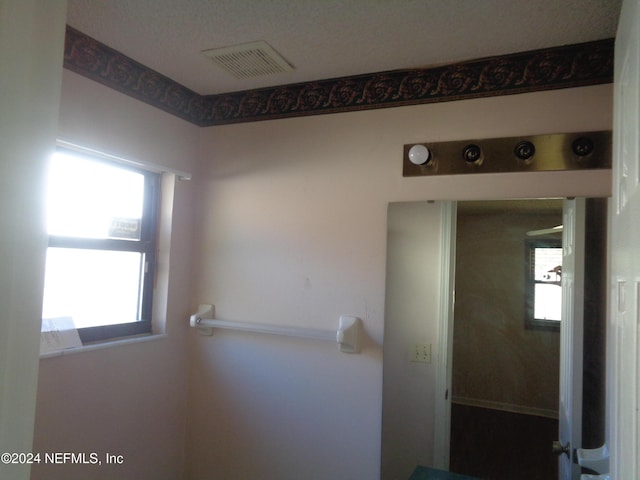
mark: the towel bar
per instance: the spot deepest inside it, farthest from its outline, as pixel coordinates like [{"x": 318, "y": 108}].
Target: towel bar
[{"x": 347, "y": 336}]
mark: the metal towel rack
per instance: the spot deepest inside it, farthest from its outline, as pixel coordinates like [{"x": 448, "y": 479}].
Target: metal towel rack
[{"x": 347, "y": 335}]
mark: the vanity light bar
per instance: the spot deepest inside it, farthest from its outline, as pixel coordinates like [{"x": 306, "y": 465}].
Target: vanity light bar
[{"x": 536, "y": 153}]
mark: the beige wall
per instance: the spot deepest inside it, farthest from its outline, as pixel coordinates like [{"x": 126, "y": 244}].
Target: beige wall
[
  {"x": 292, "y": 230},
  {"x": 413, "y": 276},
  {"x": 129, "y": 400}
]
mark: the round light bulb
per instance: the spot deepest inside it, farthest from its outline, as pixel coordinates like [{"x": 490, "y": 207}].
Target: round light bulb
[{"x": 419, "y": 155}]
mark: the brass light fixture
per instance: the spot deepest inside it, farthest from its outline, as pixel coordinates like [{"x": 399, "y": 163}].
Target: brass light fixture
[{"x": 556, "y": 152}]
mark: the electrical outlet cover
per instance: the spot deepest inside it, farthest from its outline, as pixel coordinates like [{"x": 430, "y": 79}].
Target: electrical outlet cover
[{"x": 421, "y": 352}]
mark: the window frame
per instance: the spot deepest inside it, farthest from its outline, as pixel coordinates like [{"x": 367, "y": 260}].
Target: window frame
[
  {"x": 146, "y": 245},
  {"x": 530, "y": 282}
]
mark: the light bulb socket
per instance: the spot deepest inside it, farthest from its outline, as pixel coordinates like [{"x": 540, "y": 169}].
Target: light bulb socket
[
  {"x": 472, "y": 154},
  {"x": 524, "y": 150},
  {"x": 582, "y": 146}
]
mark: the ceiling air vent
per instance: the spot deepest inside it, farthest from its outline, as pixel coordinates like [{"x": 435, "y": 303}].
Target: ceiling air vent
[{"x": 249, "y": 60}]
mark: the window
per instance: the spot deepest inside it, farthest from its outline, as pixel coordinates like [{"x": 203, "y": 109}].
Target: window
[
  {"x": 101, "y": 220},
  {"x": 544, "y": 283}
]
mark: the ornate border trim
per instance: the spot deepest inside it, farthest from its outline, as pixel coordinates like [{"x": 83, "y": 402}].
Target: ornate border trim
[
  {"x": 547, "y": 69},
  {"x": 94, "y": 60}
]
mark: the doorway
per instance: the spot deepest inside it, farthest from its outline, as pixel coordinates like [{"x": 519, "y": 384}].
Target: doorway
[
  {"x": 505, "y": 370},
  {"x": 421, "y": 248}
]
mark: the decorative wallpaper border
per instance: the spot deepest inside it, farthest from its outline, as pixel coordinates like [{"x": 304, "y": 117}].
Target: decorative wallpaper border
[{"x": 560, "y": 67}]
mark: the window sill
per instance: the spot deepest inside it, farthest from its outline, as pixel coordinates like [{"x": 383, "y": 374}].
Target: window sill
[{"x": 106, "y": 344}]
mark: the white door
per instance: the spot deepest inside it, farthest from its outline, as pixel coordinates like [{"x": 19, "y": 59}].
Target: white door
[
  {"x": 622, "y": 328},
  {"x": 571, "y": 335}
]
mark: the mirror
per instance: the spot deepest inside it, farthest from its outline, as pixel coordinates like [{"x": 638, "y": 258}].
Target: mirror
[{"x": 505, "y": 350}]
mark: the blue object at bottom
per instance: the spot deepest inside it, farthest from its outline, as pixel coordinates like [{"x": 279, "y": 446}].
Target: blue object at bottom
[{"x": 424, "y": 473}]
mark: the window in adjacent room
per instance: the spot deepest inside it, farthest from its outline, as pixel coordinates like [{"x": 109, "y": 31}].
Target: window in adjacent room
[
  {"x": 544, "y": 283},
  {"x": 101, "y": 220}
]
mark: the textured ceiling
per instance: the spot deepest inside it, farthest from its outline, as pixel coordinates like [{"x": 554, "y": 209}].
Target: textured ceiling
[{"x": 333, "y": 38}]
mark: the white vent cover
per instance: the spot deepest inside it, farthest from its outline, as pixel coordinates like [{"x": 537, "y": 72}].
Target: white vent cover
[{"x": 249, "y": 60}]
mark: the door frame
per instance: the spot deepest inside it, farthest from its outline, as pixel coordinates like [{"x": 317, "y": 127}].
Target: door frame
[
  {"x": 623, "y": 325},
  {"x": 571, "y": 336},
  {"x": 444, "y": 352}
]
